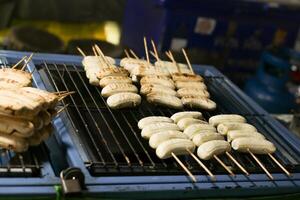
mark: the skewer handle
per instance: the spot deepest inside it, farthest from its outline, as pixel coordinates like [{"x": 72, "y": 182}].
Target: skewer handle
[
  {"x": 279, "y": 164},
  {"x": 188, "y": 61},
  {"x": 126, "y": 53},
  {"x": 184, "y": 167},
  {"x": 146, "y": 50},
  {"x": 261, "y": 165},
  {"x": 223, "y": 165},
  {"x": 155, "y": 50},
  {"x": 134, "y": 55},
  {"x": 81, "y": 52},
  {"x": 27, "y": 61},
  {"x": 237, "y": 163},
  {"x": 17, "y": 64}
]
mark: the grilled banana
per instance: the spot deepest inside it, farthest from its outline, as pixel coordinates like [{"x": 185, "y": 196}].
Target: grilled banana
[
  {"x": 145, "y": 70},
  {"x": 195, "y": 128},
  {"x": 148, "y": 88},
  {"x": 13, "y": 143},
  {"x": 199, "y": 139},
  {"x": 185, "y": 122},
  {"x": 184, "y": 77},
  {"x": 159, "y": 80},
  {"x": 164, "y": 100},
  {"x": 186, "y": 114},
  {"x": 255, "y": 145},
  {"x": 184, "y": 84},
  {"x": 223, "y": 128},
  {"x": 112, "y": 71},
  {"x": 115, "y": 88},
  {"x": 153, "y": 119},
  {"x": 114, "y": 79},
  {"x": 9, "y": 125},
  {"x": 192, "y": 92},
  {"x": 151, "y": 129},
  {"x": 157, "y": 138},
  {"x": 214, "y": 147},
  {"x": 234, "y": 134},
  {"x": 198, "y": 102},
  {"x": 223, "y": 118},
  {"x": 176, "y": 146},
  {"x": 124, "y": 100}
]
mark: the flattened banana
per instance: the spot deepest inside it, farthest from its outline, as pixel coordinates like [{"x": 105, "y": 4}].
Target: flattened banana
[
  {"x": 205, "y": 137},
  {"x": 157, "y": 138},
  {"x": 185, "y": 122},
  {"x": 115, "y": 88},
  {"x": 218, "y": 119},
  {"x": 223, "y": 128},
  {"x": 214, "y": 147},
  {"x": 13, "y": 143},
  {"x": 185, "y": 77},
  {"x": 153, "y": 119},
  {"x": 124, "y": 100},
  {"x": 255, "y": 145},
  {"x": 151, "y": 129},
  {"x": 159, "y": 80},
  {"x": 112, "y": 71},
  {"x": 114, "y": 79},
  {"x": 183, "y": 84},
  {"x": 195, "y": 128},
  {"x": 198, "y": 102},
  {"x": 164, "y": 100},
  {"x": 186, "y": 114},
  {"x": 192, "y": 92},
  {"x": 234, "y": 134},
  {"x": 176, "y": 146},
  {"x": 148, "y": 88}
]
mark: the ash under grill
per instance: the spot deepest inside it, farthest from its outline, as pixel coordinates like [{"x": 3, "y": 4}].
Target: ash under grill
[{"x": 111, "y": 140}]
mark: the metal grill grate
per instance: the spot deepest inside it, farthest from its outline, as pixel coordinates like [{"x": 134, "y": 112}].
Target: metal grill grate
[{"x": 111, "y": 139}]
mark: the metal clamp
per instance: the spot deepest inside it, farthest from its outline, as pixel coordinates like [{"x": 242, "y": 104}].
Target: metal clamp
[{"x": 72, "y": 180}]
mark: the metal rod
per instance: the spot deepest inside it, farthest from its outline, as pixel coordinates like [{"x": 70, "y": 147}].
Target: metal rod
[
  {"x": 27, "y": 61},
  {"x": 146, "y": 50},
  {"x": 237, "y": 163},
  {"x": 81, "y": 52},
  {"x": 188, "y": 61},
  {"x": 280, "y": 165},
  {"x": 223, "y": 165},
  {"x": 184, "y": 167},
  {"x": 17, "y": 64},
  {"x": 212, "y": 176},
  {"x": 261, "y": 165}
]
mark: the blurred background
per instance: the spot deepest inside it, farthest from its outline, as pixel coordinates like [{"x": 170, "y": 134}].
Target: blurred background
[{"x": 256, "y": 43}]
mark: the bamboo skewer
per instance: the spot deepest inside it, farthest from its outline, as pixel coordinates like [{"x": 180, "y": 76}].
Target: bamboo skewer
[
  {"x": 146, "y": 50},
  {"x": 261, "y": 165},
  {"x": 27, "y": 61},
  {"x": 62, "y": 109},
  {"x": 279, "y": 164},
  {"x": 126, "y": 53},
  {"x": 188, "y": 61},
  {"x": 237, "y": 163},
  {"x": 153, "y": 54},
  {"x": 19, "y": 62},
  {"x": 223, "y": 165},
  {"x": 212, "y": 176},
  {"x": 170, "y": 56},
  {"x": 81, "y": 52},
  {"x": 134, "y": 55},
  {"x": 155, "y": 50},
  {"x": 184, "y": 167},
  {"x": 102, "y": 56}
]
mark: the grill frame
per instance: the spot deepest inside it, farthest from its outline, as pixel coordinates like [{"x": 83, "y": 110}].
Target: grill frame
[{"x": 176, "y": 186}]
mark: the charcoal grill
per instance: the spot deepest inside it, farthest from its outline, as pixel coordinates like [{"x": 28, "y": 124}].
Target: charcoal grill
[{"x": 107, "y": 146}]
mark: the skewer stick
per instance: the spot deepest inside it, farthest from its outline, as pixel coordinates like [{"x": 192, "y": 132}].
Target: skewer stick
[
  {"x": 146, "y": 50},
  {"x": 16, "y": 65},
  {"x": 134, "y": 55},
  {"x": 212, "y": 176},
  {"x": 237, "y": 163},
  {"x": 155, "y": 50},
  {"x": 27, "y": 61},
  {"x": 188, "y": 61},
  {"x": 223, "y": 165},
  {"x": 184, "y": 167},
  {"x": 126, "y": 53},
  {"x": 62, "y": 109},
  {"x": 152, "y": 54},
  {"x": 261, "y": 165},
  {"x": 171, "y": 57},
  {"x": 102, "y": 56},
  {"x": 81, "y": 52},
  {"x": 95, "y": 52},
  {"x": 280, "y": 165}
]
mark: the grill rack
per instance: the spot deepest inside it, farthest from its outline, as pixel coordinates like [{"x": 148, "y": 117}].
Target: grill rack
[{"x": 137, "y": 158}]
